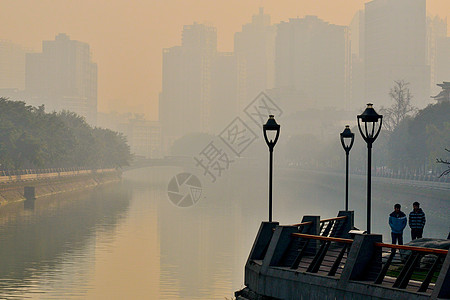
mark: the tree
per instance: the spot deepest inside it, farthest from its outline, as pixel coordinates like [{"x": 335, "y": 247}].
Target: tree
[
  {"x": 402, "y": 108},
  {"x": 446, "y": 162},
  {"x": 416, "y": 142},
  {"x": 31, "y": 138}
]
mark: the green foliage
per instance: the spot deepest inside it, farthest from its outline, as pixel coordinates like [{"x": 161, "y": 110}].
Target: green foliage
[
  {"x": 31, "y": 138},
  {"x": 412, "y": 147},
  {"x": 416, "y": 142}
]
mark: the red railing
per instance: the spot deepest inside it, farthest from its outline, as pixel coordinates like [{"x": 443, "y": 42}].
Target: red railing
[{"x": 413, "y": 268}]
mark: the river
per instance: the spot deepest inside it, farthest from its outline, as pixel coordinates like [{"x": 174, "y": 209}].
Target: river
[{"x": 130, "y": 241}]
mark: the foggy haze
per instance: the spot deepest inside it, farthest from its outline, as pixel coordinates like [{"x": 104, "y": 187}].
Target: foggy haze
[
  {"x": 127, "y": 40},
  {"x": 150, "y": 113}
]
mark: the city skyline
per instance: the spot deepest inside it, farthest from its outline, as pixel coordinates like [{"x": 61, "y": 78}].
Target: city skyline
[{"x": 116, "y": 29}]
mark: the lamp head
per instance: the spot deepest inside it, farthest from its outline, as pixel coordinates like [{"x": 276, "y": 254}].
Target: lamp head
[
  {"x": 272, "y": 129},
  {"x": 369, "y": 114},
  {"x": 347, "y": 133},
  {"x": 370, "y": 119},
  {"x": 347, "y": 138}
]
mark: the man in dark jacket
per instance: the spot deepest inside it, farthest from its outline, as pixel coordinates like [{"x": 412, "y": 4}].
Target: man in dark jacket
[
  {"x": 397, "y": 221},
  {"x": 416, "y": 221}
]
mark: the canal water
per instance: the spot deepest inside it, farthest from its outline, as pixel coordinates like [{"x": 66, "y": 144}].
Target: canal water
[{"x": 134, "y": 240}]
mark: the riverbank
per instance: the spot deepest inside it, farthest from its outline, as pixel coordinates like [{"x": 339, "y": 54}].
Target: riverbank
[{"x": 11, "y": 192}]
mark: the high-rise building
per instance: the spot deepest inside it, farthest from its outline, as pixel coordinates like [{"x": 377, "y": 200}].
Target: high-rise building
[
  {"x": 436, "y": 31},
  {"x": 442, "y": 71},
  {"x": 144, "y": 137},
  {"x": 310, "y": 56},
  {"x": 395, "y": 49},
  {"x": 355, "y": 63},
  {"x": 12, "y": 66},
  {"x": 224, "y": 91},
  {"x": 185, "y": 98},
  {"x": 438, "y": 52},
  {"x": 63, "y": 77},
  {"x": 254, "y": 48}
]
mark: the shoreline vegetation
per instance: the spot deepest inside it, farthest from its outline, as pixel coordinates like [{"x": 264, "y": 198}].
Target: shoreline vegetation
[
  {"x": 54, "y": 152},
  {"x": 31, "y": 138}
]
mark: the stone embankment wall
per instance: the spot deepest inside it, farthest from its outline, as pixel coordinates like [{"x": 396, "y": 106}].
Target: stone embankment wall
[{"x": 13, "y": 191}]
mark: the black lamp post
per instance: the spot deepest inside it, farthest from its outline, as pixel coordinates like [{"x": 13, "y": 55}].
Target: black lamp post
[
  {"x": 272, "y": 129},
  {"x": 347, "y": 139},
  {"x": 371, "y": 130}
]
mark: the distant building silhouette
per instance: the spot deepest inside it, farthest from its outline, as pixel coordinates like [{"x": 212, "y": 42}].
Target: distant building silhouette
[
  {"x": 438, "y": 54},
  {"x": 224, "y": 91},
  {"x": 395, "y": 49},
  {"x": 63, "y": 76},
  {"x": 254, "y": 48},
  {"x": 355, "y": 62},
  {"x": 185, "y": 98},
  {"x": 310, "y": 57},
  {"x": 442, "y": 59},
  {"x": 144, "y": 137},
  {"x": 12, "y": 66},
  {"x": 436, "y": 31}
]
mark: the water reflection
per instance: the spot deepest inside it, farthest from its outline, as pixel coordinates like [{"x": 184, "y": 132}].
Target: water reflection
[
  {"x": 128, "y": 241},
  {"x": 51, "y": 243}
]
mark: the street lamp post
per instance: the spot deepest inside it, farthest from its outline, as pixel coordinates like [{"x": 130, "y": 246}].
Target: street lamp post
[
  {"x": 347, "y": 139},
  {"x": 271, "y": 132},
  {"x": 371, "y": 130}
]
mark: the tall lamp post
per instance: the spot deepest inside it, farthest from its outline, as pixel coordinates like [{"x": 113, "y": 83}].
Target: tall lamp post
[
  {"x": 347, "y": 139},
  {"x": 271, "y": 132},
  {"x": 371, "y": 130}
]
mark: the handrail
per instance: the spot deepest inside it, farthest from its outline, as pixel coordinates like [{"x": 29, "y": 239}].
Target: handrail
[
  {"x": 333, "y": 219},
  {"x": 43, "y": 174},
  {"x": 323, "y": 238},
  {"x": 297, "y": 225},
  {"x": 412, "y": 248},
  {"x": 321, "y": 221},
  {"x": 302, "y": 224}
]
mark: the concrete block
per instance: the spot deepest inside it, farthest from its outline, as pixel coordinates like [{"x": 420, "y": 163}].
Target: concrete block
[
  {"x": 278, "y": 245},
  {"x": 361, "y": 254},
  {"x": 349, "y": 223},
  {"x": 262, "y": 240},
  {"x": 442, "y": 287}
]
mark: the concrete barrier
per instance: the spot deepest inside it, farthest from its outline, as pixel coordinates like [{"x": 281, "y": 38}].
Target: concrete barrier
[{"x": 267, "y": 278}]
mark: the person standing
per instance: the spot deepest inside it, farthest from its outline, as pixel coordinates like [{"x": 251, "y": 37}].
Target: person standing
[
  {"x": 416, "y": 221},
  {"x": 397, "y": 221}
]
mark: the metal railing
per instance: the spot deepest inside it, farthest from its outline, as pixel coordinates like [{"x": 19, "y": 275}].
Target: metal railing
[
  {"x": 35, "y": 174},
  {"x": 406, "y": 267},
  {"x": 320, "y": 254},
  {"x": 332, "y": 227},
  {"x": 328, "y": 227}
]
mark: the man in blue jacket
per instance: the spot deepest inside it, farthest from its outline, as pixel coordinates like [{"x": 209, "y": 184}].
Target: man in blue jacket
[
  {"x": 397, "y": 221},
  {"x": 416, "y": 221}
]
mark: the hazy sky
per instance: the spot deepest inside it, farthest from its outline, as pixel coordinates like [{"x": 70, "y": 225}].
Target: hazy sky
[{"x": 127, "y": 37}]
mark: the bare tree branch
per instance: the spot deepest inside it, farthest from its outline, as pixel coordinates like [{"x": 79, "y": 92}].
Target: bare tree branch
[
  {"x": 401, "y": 108},
  {"x": 441, "y": 161}
]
